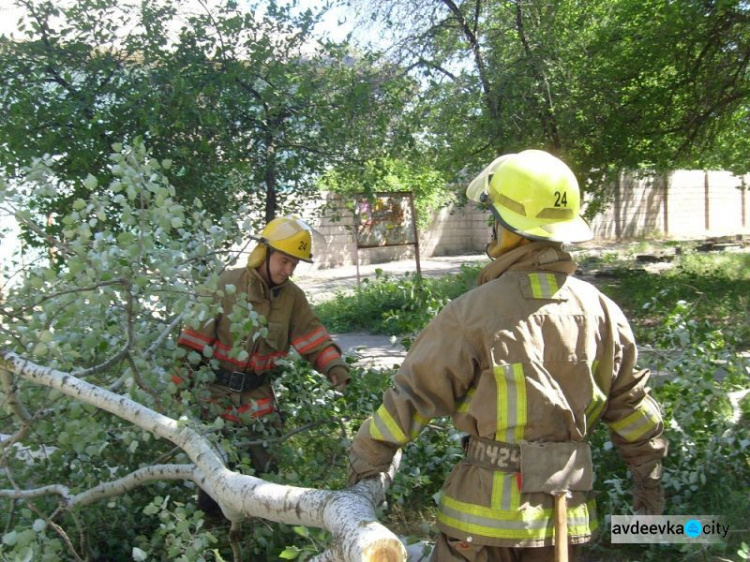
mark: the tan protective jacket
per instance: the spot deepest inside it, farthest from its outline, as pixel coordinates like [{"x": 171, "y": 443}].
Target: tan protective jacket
[
  {"x": 532, "y": 355},
  {"x": 291, "y": 322}
]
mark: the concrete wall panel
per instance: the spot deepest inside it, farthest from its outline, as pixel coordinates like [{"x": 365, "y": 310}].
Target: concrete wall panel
[{"x": 676, "y": 206}]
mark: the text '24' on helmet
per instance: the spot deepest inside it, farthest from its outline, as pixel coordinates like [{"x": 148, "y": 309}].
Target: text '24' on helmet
[
  {"x": 533, "y": 194},
  {"x": 289, "y": 235}
]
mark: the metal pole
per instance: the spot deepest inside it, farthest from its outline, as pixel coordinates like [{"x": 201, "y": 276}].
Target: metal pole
[
  {"x": 707, "y": 201},
  {"x": 416, "y": 233}
]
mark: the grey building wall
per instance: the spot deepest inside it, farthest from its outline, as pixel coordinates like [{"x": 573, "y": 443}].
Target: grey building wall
[{"x": 450, "y": 231}]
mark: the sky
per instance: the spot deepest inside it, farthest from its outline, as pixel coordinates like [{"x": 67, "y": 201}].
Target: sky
[{"x": 9, "y": 15}]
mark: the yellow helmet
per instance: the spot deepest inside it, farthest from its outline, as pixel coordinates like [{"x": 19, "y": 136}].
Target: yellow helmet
[
  {"x": 533, "y": 194},
  {"x": 289, "y": 235}
]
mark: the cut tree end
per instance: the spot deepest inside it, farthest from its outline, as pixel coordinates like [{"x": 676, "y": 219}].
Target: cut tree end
[{"x": 387, "y": 550}]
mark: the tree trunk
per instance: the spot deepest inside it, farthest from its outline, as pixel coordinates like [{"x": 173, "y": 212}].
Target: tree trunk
[{"x": 348, "y": 514}]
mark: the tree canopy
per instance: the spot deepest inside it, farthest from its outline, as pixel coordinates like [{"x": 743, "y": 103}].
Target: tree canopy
[
  {"x": 254, "y": 106},
  {"x": 91, "y": 418},
  {"x": 606, "y": 85},
  {"x": 248, "y": 103}
]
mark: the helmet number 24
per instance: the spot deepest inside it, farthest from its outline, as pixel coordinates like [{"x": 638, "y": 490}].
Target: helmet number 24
[{"x": 561, "y": 199}]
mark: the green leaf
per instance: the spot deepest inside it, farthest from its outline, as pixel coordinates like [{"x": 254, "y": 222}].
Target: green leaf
[
  {"x": 290, "y": 553},
  {"x": 90, "y": 182},
  {"x": 10, "y": 538},
  {"x": 25, "y": 555},
  {"x": 151, "y": 509},
  {"x": 302, "y": 531}
]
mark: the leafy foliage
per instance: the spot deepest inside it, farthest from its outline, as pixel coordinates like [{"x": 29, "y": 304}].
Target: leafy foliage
[
  {"x": 103, "y": 303},
  {"x": 247, "y": 102},
  {"x": 692, "y": 325},
  {"x": 399, "y": 306},
  {"x": 608, "y": 85},
  {"x": 702, "y": 385},
  {"x": 712, "y": 286},
  {"x": 394, "y": 175},
  {"x": 109, "y": 310}
]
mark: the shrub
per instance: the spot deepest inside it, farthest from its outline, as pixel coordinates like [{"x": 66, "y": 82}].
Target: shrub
[{"x": 398, "y": 306}]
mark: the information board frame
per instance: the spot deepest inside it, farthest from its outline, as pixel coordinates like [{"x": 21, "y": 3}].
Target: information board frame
[{"x": 385, "y": 219}]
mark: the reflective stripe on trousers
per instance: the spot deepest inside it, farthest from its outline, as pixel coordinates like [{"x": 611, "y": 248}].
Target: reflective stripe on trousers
[{"x": 517, "y": 525}]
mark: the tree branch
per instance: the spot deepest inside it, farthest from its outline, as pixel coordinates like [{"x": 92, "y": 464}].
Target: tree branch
[
  {"x": 59, "y": 530},
  {"x": 135, "y": 480},
  {"x": 349, "y": 515},
  {"x": 547, "y": 115},
  {"x": 473, "y": 41},
  {"x": 16, "y": 407}
]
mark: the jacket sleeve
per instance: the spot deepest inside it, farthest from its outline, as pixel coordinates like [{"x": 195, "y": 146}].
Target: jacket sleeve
[
  {"x": 635, "y": 420},
  {"x": 194, "y": 340},
  {"x": 311, "y": 339},
  {"x": 435, "y": 374},
  {"x": 197, "y": 340}
]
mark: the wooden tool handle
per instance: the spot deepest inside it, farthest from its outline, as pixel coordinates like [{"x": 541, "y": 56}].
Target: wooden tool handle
[{"x": 561, "y": 527}]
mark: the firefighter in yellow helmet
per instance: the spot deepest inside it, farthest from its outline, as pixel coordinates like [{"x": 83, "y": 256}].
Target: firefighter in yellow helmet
[
  {"x": 526, "y": 364},
  {"x": 241, "y": 390},
  {"x": 287, "y": 236}
]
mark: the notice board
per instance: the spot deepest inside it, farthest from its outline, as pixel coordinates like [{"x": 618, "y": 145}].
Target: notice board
[{"x": 386, "y": 219}]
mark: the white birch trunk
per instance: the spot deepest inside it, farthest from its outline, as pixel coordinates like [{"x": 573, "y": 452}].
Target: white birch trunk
[{"x": 349, "y": 514}]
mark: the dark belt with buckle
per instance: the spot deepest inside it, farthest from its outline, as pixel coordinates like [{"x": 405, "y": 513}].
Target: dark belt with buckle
[
  {"x": 493, "y": 455},
  {"x": 238, "y": 381}
]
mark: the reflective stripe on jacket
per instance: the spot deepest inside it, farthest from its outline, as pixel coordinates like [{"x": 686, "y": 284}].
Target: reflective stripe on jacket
[
  {"x": 290, "y": 322},
  {"x": 532, "y": 355}
]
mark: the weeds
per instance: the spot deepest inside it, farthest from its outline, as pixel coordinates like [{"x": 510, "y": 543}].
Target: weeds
[
  {"x": 397, "y": 306},
  {"x": 715, "y": 288}
]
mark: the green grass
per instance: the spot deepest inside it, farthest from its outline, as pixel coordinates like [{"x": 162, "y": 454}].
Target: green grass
[
  {"x": 715, "y": 287},
  {"x": 395, "y": 305}
]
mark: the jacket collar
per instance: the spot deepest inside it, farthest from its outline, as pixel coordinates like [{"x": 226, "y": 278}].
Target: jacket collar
[
  {"x": 540, "y": 255},
  {"x": 257, "y": 279}
]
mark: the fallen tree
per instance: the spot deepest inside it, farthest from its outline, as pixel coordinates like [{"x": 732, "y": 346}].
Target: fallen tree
[
  {"x": 113, "y": 451},
  {"x": 349, "y": 515}
]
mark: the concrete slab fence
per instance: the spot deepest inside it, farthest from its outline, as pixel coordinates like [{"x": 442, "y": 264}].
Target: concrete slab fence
[{"x": 684, "y": 204}]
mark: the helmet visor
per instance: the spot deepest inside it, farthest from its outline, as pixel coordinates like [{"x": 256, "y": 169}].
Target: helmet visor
[{"x": 478, "y": 189}]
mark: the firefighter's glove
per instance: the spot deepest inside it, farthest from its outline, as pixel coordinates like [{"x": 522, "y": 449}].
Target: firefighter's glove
[
  {"x": 368, "y": 457},
  {"x": 648, "y": 494},
  {"x": 339, "y": 377}
]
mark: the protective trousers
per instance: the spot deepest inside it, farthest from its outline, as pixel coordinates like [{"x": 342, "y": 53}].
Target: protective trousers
[{"x": 455, "y": 550}]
